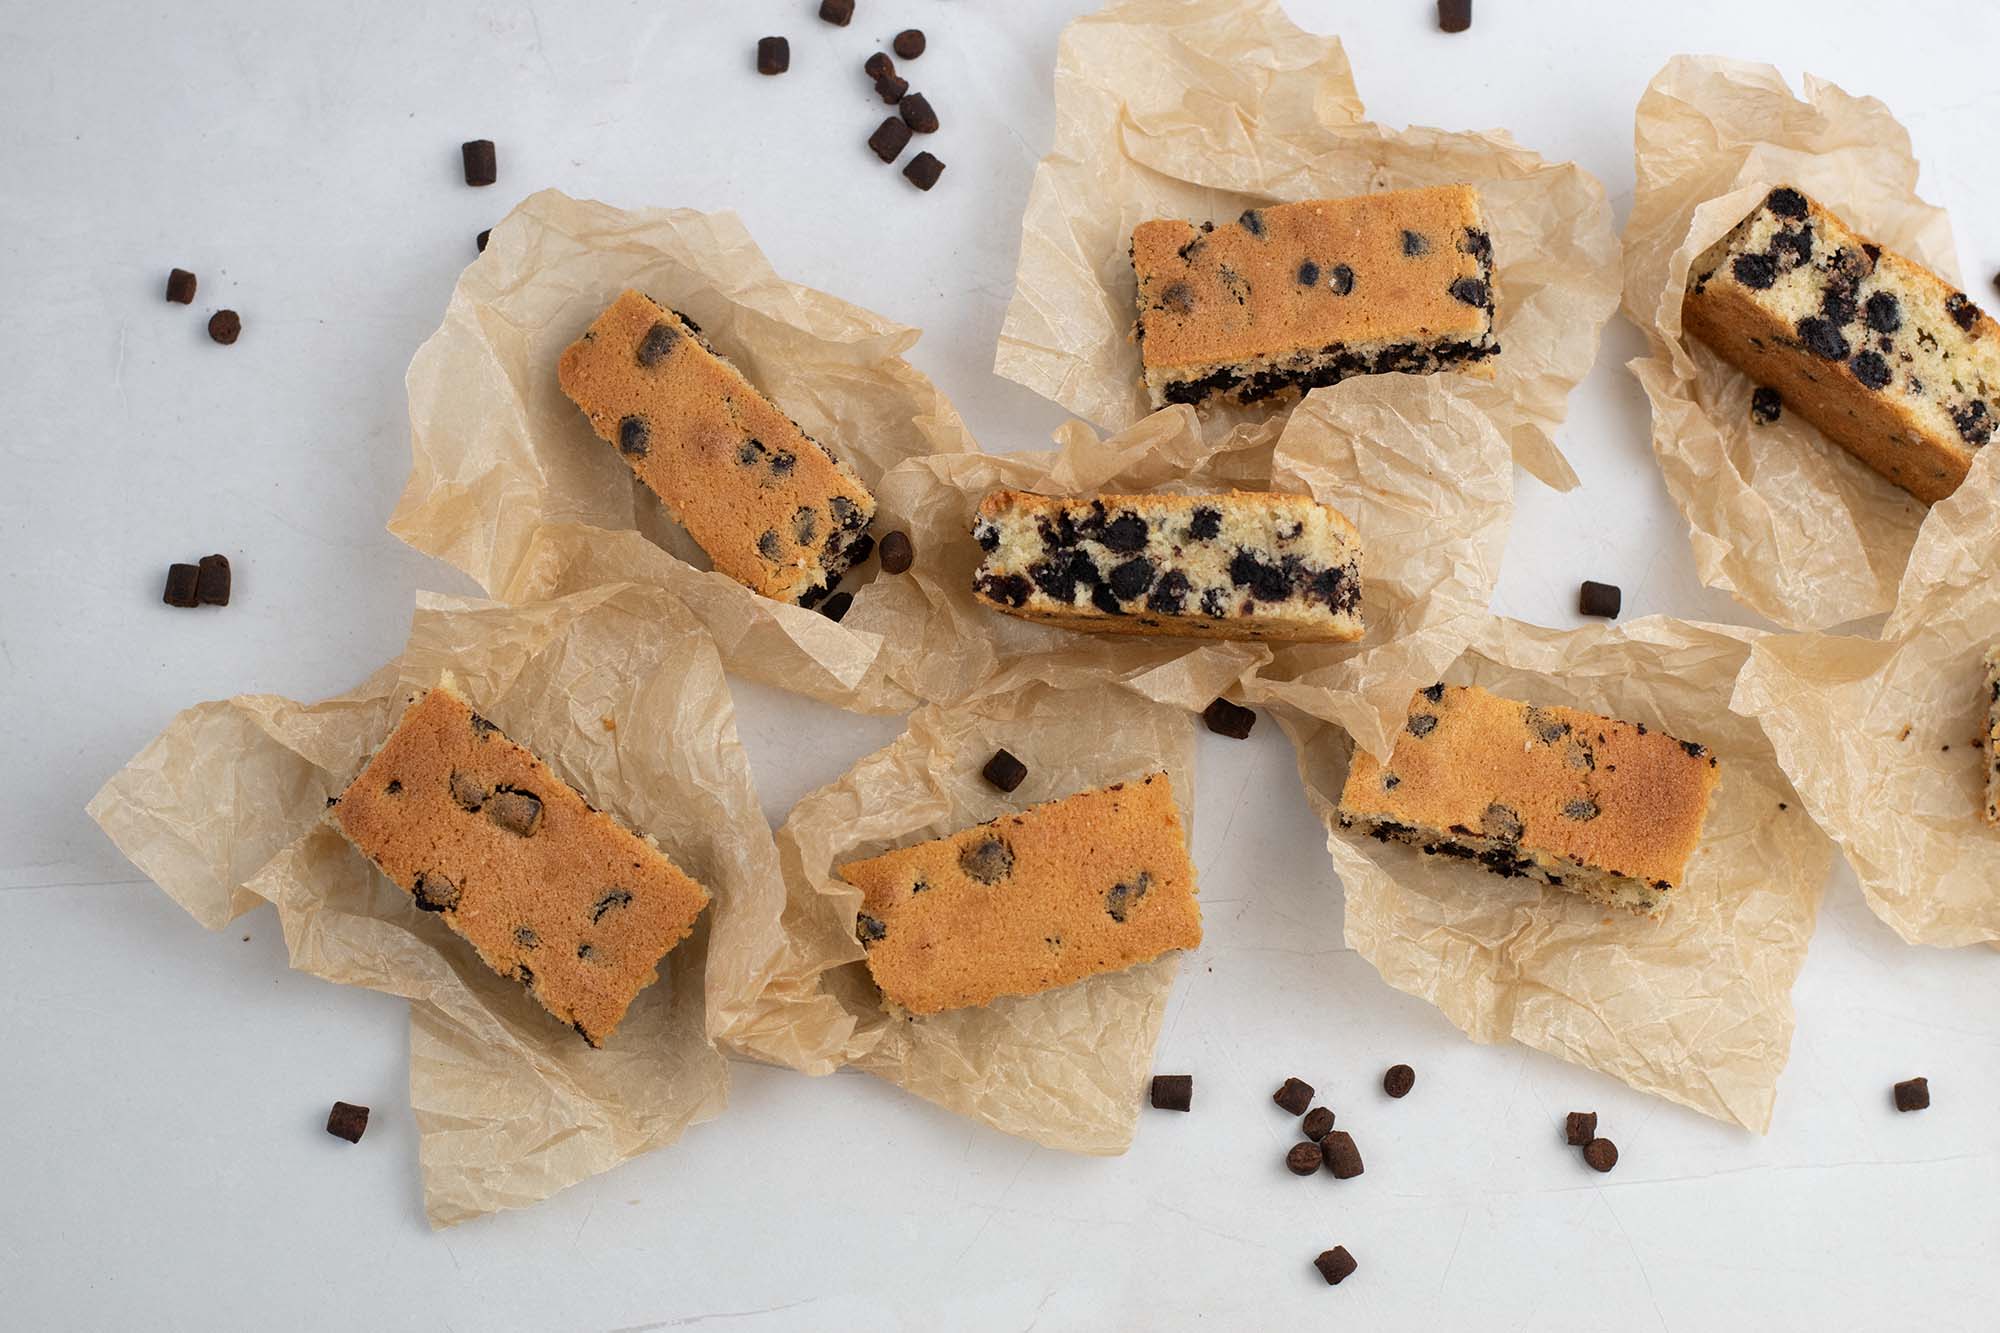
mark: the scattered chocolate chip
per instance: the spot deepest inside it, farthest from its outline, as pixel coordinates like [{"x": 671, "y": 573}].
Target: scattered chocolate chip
[
  {"x": 1883, "y": 312},
  {"x": 182, "y": 583},
  {"x": 1786, "y": 202},
  {"x": 211, "y": 587},
  {"x": 180, "y": 286},
  {"x": 923, "y": 171},
  {"x": 869, "y": 930},
  {"x": 1755, "y": 271},
  {"x": 481, "y": 167},
  {"x": 657, "y": 344},
  {"x": 989, "y": 860},
  {"x": 917, "y": 113},
  {"x": 909, "y": 43},
  {"x": 480, "y": 240},
  {"x": 225, "y": 326},
  {"x": 1414, "y": 244},
  {"x": 1598, "y": 599},
  {"x": 896, "y": 553},
  {"x": 632, "y": 437},
  {"x": 837, "y": 12},
  {"x": 1227, "y": 719},
  {"x": 1317, "y": 1122},
  {"x": 1341, "y": 1155},
  {"x": 1823, "y": 339},
  {"x": 526, "y": 938},
  {"x": 1422, "y": 725},
  {"x": 1963, "y": 313},
  {"x": 774, "y": 55},
  {"x": 1303, "y": 1159},
  {"x": 891, "y": 88},
  {"x": 878, "y": 66},
  {"x": 1472, "y": 292},
  {"x": 1341, "y": 280},
  {"x": 610, "y": 899},
  {"x": 836, "y": 606},
  {"x": 1251, "y": 221},
  {"x": 1004, "y": 771},
  {"x": 347, "y": 1121},
  {"x": 1765, "y": 405},
  {"x": 468, "y": 791},
  {"x": 1308, "y": 273},
  {"x": 519, "y": 812},
  {"x": 1173, "y": 1092},
  {"x": 1118, "y": 899},
  {"x": 434, "y": 893},
  {"x": 1178, "y": 297},
  {"x": 1600, "y": 1154},
  {"x": 1913, "y": 1094},
  {"x": 1581, "y": 810},
  {"x": 1398, "y": 1080},
  {"x": 1580, "y": 1128},
  {"x": 1337, "y": 1265},
  {"x": 1871, "y": 370},
  {"x": 1295, "y": 1096}
]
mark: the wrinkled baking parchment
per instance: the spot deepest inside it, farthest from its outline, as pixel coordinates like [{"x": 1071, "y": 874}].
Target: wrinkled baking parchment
[
  {"x": 1781, "y": 518},
  {"x": 1696, "y": 1007},
  {"x": 1885, "y": 739},
  {"x": 1202, "y": 108},
  {"x": 1066, "y": 1068},
  {"x": 623, "y": 695},
  {"x": 509, "y": 483}
]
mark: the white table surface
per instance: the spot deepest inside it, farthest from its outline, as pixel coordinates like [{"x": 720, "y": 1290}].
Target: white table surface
[{"x": 162, "y": 1164}]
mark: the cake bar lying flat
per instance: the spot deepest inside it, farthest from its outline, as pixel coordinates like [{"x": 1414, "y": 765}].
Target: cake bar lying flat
[
  {"x": 772, "y": 507},
  {"x": 1611, "y": 810},
  {"x": 1885, "y": 357},
  {"x": 1095, "y": 882},
  {"x": 1237, "y": 566},
  {"x": 550, "y": 892},
  {"x": 1992, "y": 664},
  {"x": 1293, "y": 296}
]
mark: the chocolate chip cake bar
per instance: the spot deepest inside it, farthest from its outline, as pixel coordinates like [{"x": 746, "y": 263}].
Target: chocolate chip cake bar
[
  {"x": 1294, "y": 296},
  {"x": 1885, "y": 357},
  {"x": 1992, "y": 664},
  {"x": 1095, "y": 882},
  {"x": 549, "y": 890},
  {"x": 1245, "y": 565},
  {"x": 774, "y": 509},
  {"x": 1611, "y": 810}
]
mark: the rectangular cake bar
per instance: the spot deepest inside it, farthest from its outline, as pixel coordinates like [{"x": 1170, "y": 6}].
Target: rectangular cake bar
[
  {"x": 1095, "y": 882},
  {"x": 549, "y": 891},
  {"x": 1245, "y": 565},
  {"x": 772, "y": 507},
  {"x": 1607, "y": 809},
  {"x": 1293, "y": 296},
  {"x": 1886, "y": 358},
  {"x": 1992, "y": 665}
]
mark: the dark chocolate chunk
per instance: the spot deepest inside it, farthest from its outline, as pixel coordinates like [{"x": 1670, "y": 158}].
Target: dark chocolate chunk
[
  {"x": 1251, "y": 221},
  {"x": 1765, "y": 405},
  {"x": 526, "y": 938},
  {"x": 1308, "y": 273},
  {"x": 782, "y": 463},
  {"x": 774, "y": 55},
  {"x": 1598, "y": 599},
  {"x": 1600, "y": 1154},
  {"x": 1913, "y": 1094},
  {"x": 1295, "y": 1096},
  {"x": 869, "y": 930},
  {"x": 1124, "y": 534},
  {"x": 1975, "y": 424},
  {"x": 878, "y": 66},
  {"x": 182, "y": 584},
  {"x": 225, "y": 326},
  {"x": 1336, "y": 1265},
  {"x": 657, "y": 344},
  {"x": 1421, "y": 725},
  {"x": 923, "y": 171},
  {"x": 1204, "y": 524},
  {"x": 211, "y": 587},
  {"x": 481, "y": 167},
  {"x": 989, "y": 860},
  {"x": 837, "y": 606},
  {"x": 1178, "y": 297},
  {"x": 1963, "y": 313},
  {"x": 1173, "y": 1092},
  {"x": 1871, "y": 370},
  {"x": 769, "y": 545},
  {"x": 1118, "y": 899},
  {"x": 1341, "y": 280},
  {"x": 890, "y": 138},
  {"x": 1169, "y": 595},
  {"x": 1499, "y": 821},
  {"x": 1581, "y": 810},
  {"x": 1317, "y": 1122},
  {"x": 347, "y": 1121},
  {"x": 1755, "y": 271},
  {"x": 1454, "y": 15},
  {"x": 434, "y": 893},
  {"x": 1341, "y": 1155},
  {"x": 1884, "y": 312},
  {"x": 1433, "y": 692},
  {"x": 606, "y": 901},
  {"x": 917, "y": 113},
  {"x": 1398, "y": 1080},
  {"x": 1227, "y": 719},
  {"x": 467, "y": 790},
  {"x": 1822, "y": 339},
  {"x": 1004, "y": 771},
  {"x": 1006, "y": 589},
  {"x": 1786, "y": 202},
  {"x": 1415, "y": 244},
  {"x": 1472, "y": 292},
  {"x": 909, "y": 43},
  {"x": 517, "y": 811},
  {"x": 805, "y": 525},
  {"x": 180, "y": 286},
  {"x": 1267, "y": 582},
  {"x": 633, "y": 436},
  {"x": 837, "y": 12},
  {"x": 1580, "y": 1128},
  {"x": 1130, "y": 578},
  {"x": 891, "y": 88},
  {"x": 1794, "y": 241},
  {"x": 897, "y": 553},
  {"x": 1303, "y": 1159},
  {"x": 479, "y": 241}
]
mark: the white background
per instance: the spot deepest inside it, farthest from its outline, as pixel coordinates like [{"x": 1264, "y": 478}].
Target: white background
[{"x": 162, "y": 1088}]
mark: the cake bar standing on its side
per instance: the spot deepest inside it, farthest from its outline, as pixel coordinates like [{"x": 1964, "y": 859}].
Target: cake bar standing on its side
[
  {"x": 774, "y": 509},
  {"x": 1885, "y": 357},
  {"x": 552, "y": 893},
  {"x": 1095, "y": 882},
  {"x": 1611, "y": 810},
  {"x": 1243, "y": 565},
  {"x": 1992, "y": 664},
  {"x": 1293, "y": 296}
]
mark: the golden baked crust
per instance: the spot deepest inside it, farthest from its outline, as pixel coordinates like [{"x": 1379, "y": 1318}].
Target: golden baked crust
[
  {"x": 1095, "y": 882},
  {"x": 774, "y": 509},
  {"x": 1885, "y": 357},
  {"x": 1239, "y": 565},
  {"x": 550, "y": 892},
  {"x": 1609, "y": 809},
  {"x": 1292, "y": 296}
]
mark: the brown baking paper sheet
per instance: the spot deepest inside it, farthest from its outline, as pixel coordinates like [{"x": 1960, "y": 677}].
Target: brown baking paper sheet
[
  {"x": 624, "y": 696},
  {"x": 1696, "y": 1007},
  {"x": 509, "y": 483},
  {"x": 1780, "y": 517},
  {"x": 1166, "y": 108},
  {"x": 1885, "y": 739},
  {"x": 1066, "y": 1068}
]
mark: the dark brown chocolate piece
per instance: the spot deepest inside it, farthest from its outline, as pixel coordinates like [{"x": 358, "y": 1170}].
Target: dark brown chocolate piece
[
  {"x": 1317, "y": 1122},
  {"x": 1295, "y": 1096},
  {"x": 836, "y": 606},
  {"x": 1335, "y": 1265},
  {"x": 1004, "y": 771},
  {"x": 1601, "y": 1154},
  {"x": 1303, "y": 1159},
  {"x": 1454, "y": 15},
  {"x": 1580, "y": 1128},
  {"x": 480, "y": 239},
  {"x": 890, "y": 138},
  {"x": 891, "y": 88},
  {"x": 347, "y": 1121},
  {"x": 1913, "y": 1094},
  {"x": 481, "y": 164},
  {"x": 180, "y": 286},
  {"x": 1598, "y": 599},
  {"x": 225, "y": 326},
  {"x": 878, "y": 66},
  {"x": 182, "y": 580},
  {"x": 837, "y": 12},
  {"x": 909, "y": 43},
  {"x": 923, "y": 171},
  {"x": 896, "y": 553},
  {"x": 211, "y": 586},
  {"x": 917, "y": 113},
  {"x": 1173, "y": 1092},
  {"x": 1342, "y": 1157},
  {"x": 1398, "y": 1081},
  {"x": 1227, "y": 719},
  {"x": 774, "y": 55}
]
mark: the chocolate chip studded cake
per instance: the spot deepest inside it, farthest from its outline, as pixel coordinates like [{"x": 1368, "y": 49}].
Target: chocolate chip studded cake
[
  {"x": 774, "y": 509},
  {"x": 550, "y": 892},
  {"x": 1095, "y": 882},
  {"x": 1611, "y": 810},
  {"x": 1992, "y": 665},
  {"x": 1245, "y": 565},
  {"x": 1885, "y": 357},
  {"x": 1294, "y": 296}
]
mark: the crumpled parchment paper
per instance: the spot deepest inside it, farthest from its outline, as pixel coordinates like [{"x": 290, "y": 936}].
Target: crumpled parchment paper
[
  {"x": 1203, "y": 108},
  {"x": 621, "y": 692},
  {"x": 1696, "y": 1007},
  {"x": 509, "y": 483},
  {"x": 1885, "y": 739},
  {"x": 1781, "y": 518},
  {"x": 1066, "y": 1068}
]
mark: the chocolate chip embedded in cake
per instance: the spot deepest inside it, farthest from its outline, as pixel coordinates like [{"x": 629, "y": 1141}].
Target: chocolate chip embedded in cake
[
  {"x": 1992, "y": 690},
  {"x": 1095, "y": 882},
  {"x": 773, "y": 507},
  {"x": 1610, "y": 810},
  {"x": 1244, "y": 565},
  {"x": 1885, "y": 357},
  {"x": 1294, "y": 296},
  {"x": 550, "y": 892}
]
